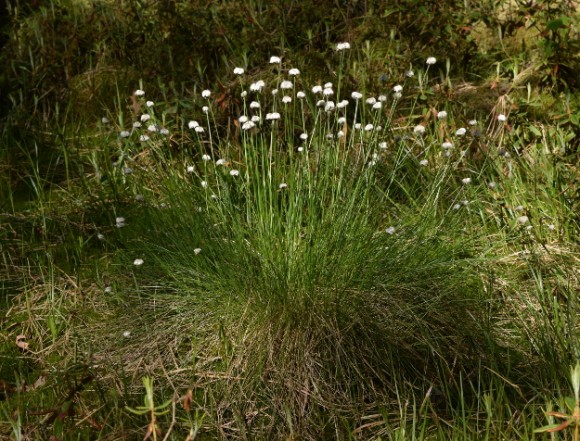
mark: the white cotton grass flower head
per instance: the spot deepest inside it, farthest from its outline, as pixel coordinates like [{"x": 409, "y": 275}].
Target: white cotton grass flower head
[
  {"x": 300, "y": 149},
  {"x": 238, "y": 71},
  {"x": 473, "y": 122},
  {"x": 501, "y": 117},
  {"x": 461, "y": 131},
  {"x": 206, "y": 93},
  {"x": 205, "y": 157},
  {"x": 126, "y": 334},
  {"x": 419, "y": 129},
  {"x": 164, "y": 131},
  {"x": 317, "y": 89},
  {"x": 138, "y": 262},
  {"x": 370, "y": 101},
  {"x": 275, "y": 60},
  {"x": 272, "y": 116},
  {"x": 204, "y": 184},
  {"x": 294, "y": 72},
  {"x": 192, "y": 124},
  {"x": 358, "y": 126},
  {"x": 431, "y": 61},
  {"x": 234, "y": 172},
  {"x": 378, "y": 105},
  {"x": 255, "y": 119},
  {"x": 342, "y": 104},
  {"x": 283, "y": 185},
  {"x": 244, "y": 93},
  {"x": 144, "y": 138},
  {"x": 257, "y": 86},
  {"x": 124, "y": 134},
  {"x": 274, "y": 92},
  {"x": 190, "y": 169},
  {"x": 248, "y": 125},
  {"x": 397, "y": 95},
  {"x": 136, "y": 125},
  {"x": 284, "y": 85},
  {"x": 423, "y": 162},
  {"x": 100, "y": 236},
  {"x": 120, "y": 222},
  {"x": 391, "y": 230},
  {"x": 254, "y": 105},
  {"x": 108, "y": 289},
  {"x": 304, "y": 136},
  {"x": 105, "y": 120},
  {"x": 447, "y": 145},
  {"x": 369, "y": 127},
  {"x": 205, "y": 109},
  {"x": 327, "y": 91},
  {"x": 340, "y": 134},
  {"x": 356, "y": 95},
  {"x": 242, "y": 119},
  {"x": 145, "y": 117},
  {"x": 409, "y": 74},
  {"x": 329, "y": 106},
  {"x": 152, "y": 128},
  {"x": 442, "y": 114},
  {"x": 383, "y": 145},
  {"x": 382, "y": 98},
  {"x": 522, "y": 220},
  {"x": 220, "y": 162},
  {"x": 286, "y": 99},
  {"x": 196, "y": 251},
  {"x": 301, "y": 95},
  {"x": 466, "y": 181},
  {"x": 341, "y": 120},
  {"x": 398, "y": 88},
  {"x": 149, "y": 103},
  {"x": 199, "y": 129},
  {"x": 139, "y": 92},
  {"x": 342, "y": 46}
]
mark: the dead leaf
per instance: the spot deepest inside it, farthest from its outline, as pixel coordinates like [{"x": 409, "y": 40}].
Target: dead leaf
[{"x": 21, "y": 342}]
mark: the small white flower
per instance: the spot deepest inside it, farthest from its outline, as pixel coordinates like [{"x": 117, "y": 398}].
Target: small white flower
[
  {"x": 192, "y": 124},
  {"x": 342, "y": 104},
  {"x": 204, "y": 184},
  {"x": 139, "y": 197},
  {"x": 108, "y": 289},
  {"x": 383, "y": 145},
  {"x": 272, "y": 116},
  {"x": 105, "y": 120},
  {"x": 255, "y": 119},
  {"x": 317, "y": 89},
  {"x": 501, "y": 117},
  {"x": 244, "y": 93},
  {"x": 342, "y": 46},
  {"x": 409, "y": 74},
  {"x": 456, "y": 206},
  {"x": 127, "y": 171},
  {"x": 328, "y": 91},
  {"x": 523, "y": 220},
  {"x": 196, "y": 251},
  {"x": 397, "y": 95},
  {"x": 398, "y": 88},
  {"x": 220, "y": 162},
  {"x": 551, "y": 227},
  {"x": 205, "y": 109},
  {"x": 149, "y": 103},
  {"x": 164, "y": 131},
  {"x": 127, "y": 334},
  {"x": 254, "y": 105},
  {"x": 234, "y": 172},
  {"x": 138, "y": 262},
  {"x": 152, "y": 128},
  {"x": 447, "y": 145},
  {"x": 190, "y": 169},
  {"x": 431, "y": 60},
  {"x": 328, "y": 85},
  {"x": 370, "y": 101},
  {"x": 382, "y": 98},
  {"x": 378, "y": 105},
  {"x": 492, "y": 185},
  {"x": 120, "y": 222},
  {"x": 329, "y": 106},
  {"x": 300, "y": 149},
  {"x": 242, "y": 119},
  {"x": 300, "y": 95},
  {"x": 205, "y": 157},
  {"x": 284, "y": 85},
  {"x": 145, "y": 117},
  {"x": 124, "y": 134},
  {"x": 143, "y": 138},
  {"x": 286, "y": 99},
  {"x": 206, "y": 94},
  {"x": 461, "y": 131},
  {"x": 199, "y": 129},
  {"x": 274, "y": 92},
  {"x": 356, "y": 95},
  {"x": 473, "y": 122},
  {"x": 442, "y": 114},
  {"x": 100, "y": 236},
  {"x": 282, "y": 186},
  {"x": 275, "y": 60},
  {"x": 357, "y": 126},
  {"x": 419, "y": 129},
  {"x": 238, "y": 71},
  {"x": 139, "y": 92},
  {"x": 340, "y": 134},
  {"x": 304, "y": 136},
  {"x": 423, "y": 162},
  {"x": 257, "y": 86},
  {"x": 390, "y": 230},
  {"x": 369, "y": 127},
  {"x": 519, "y": 208},
  {"x": 248, "y": 125},
  {"x": 293, "y": 72},
  {"x": 341, "y": 120},
  {"x": 466, "y": 181}
]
